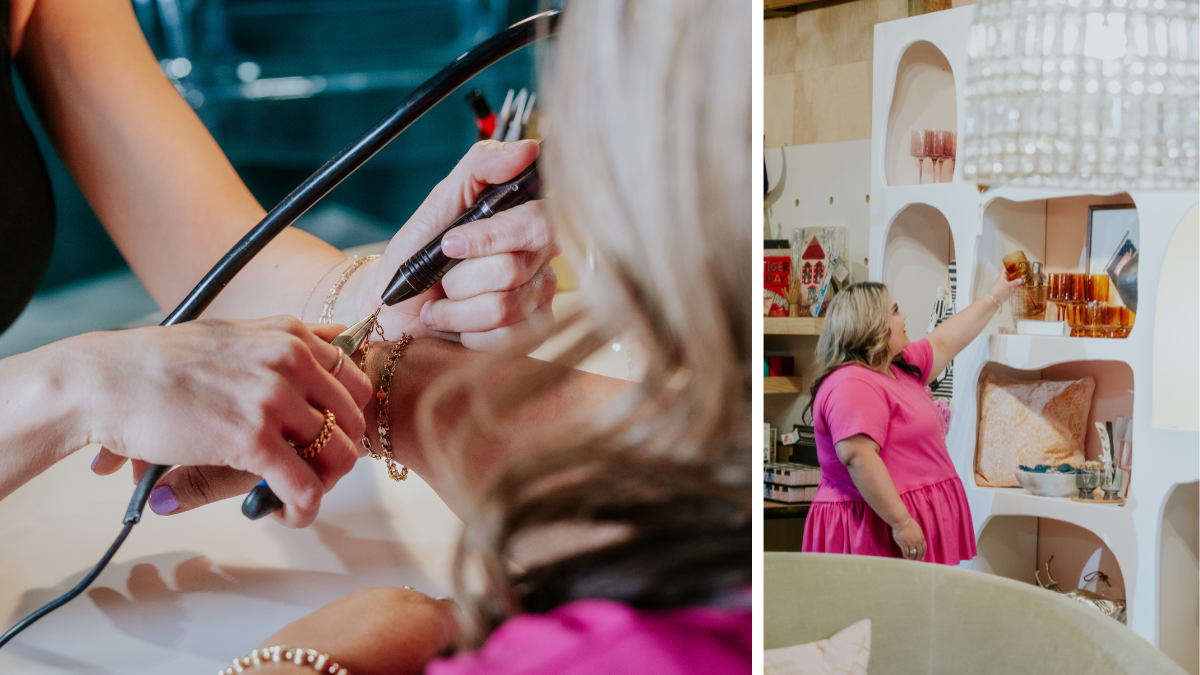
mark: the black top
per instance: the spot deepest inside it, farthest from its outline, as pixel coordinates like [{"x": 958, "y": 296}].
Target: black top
[{"x": 26, "y": 199}]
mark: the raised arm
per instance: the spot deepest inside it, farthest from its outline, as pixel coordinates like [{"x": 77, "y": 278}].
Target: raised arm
[{"x": 959, "y": 330}]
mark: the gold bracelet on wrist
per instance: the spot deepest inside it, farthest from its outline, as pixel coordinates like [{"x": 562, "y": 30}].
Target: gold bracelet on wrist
[
  {"x": 331, "y": 297},
  {"x": 311, "y": 291},
  {"x": 284, "y": 654},
  {"x": 995, "y": 301},
  {"x": 381, "y": 413}
]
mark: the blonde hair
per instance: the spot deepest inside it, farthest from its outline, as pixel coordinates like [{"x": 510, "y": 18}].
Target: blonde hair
[
  {"x": 857, "y": 330},
  {"x": 649, "y": 169}
]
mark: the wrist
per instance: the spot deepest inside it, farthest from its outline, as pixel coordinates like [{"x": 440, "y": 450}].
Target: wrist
[{"x": 59, "y": 389}]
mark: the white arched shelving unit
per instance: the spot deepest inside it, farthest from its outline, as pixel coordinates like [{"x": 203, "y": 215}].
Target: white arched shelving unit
[{"x": 1145, "y": 537}]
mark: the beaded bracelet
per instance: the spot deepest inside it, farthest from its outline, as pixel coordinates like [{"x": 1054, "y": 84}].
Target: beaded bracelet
[
  {"x": 331, "y": 297},
  {"x": 284, "y": 654},
  {"x": 995, "y": 301}
]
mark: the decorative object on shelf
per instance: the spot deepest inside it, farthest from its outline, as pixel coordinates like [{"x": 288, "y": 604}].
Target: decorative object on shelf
[
  {"x": 812, "y": 250},
  {"x": 1028, "y": 302},
  {"x": 942, "y": 386},
  {"x": 1112, "y": 608},
  {"x": 780, "y": 365},
  {"x": 1048, "y": 328},
  {"x": 777, "y": 271},
  {"x": 934, "y": 151},
  {"x": 796, "y": 297},
  {"x": 1054, "y": 483},
  {"x": 1100, "y": 95},
  {"x": 1089, "y": 477},
  {"x": 1038, "y": 422}
]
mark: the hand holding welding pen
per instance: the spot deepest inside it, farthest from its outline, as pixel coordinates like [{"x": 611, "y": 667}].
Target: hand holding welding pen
[{"x": 416, "y": 276}]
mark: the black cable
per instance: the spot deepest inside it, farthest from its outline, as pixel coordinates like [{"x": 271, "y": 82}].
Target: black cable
[
  {"x": 292, "y": 207},
  {"x": 132, "y": 515}
]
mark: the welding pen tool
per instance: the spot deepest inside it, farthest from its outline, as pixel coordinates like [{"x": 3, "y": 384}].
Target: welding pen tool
[{"x": 417, "y": 275}]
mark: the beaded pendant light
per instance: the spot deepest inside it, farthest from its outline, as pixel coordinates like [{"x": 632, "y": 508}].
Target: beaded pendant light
[{"x": 1096, "y": 94}]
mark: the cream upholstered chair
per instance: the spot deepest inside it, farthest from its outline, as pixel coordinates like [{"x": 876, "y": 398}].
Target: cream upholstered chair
[{"x": 938, "y": 620}]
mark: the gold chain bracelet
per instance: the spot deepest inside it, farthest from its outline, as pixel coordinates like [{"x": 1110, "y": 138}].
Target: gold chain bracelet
[
  {"x": 283, "y": 654},
  {"x": 381, "y": 414},
  {"x": 332, "y": 296}
]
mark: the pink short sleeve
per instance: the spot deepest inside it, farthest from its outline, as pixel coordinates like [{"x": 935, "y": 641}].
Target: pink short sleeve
[
  {"x": 855, "y": 407},
  {"x": 920, "y": 354}
]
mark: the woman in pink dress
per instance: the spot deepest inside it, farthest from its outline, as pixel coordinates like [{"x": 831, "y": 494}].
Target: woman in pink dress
[{"x": 888, "y": 487}]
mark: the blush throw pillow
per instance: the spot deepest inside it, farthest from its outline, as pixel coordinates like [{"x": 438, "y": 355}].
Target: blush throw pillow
[
  {"x": 847, "y": 652},
  {"x": 1030, "y": 423}
]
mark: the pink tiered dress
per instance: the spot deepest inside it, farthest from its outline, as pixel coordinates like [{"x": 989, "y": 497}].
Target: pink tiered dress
[{"x": 899, "y": 415}]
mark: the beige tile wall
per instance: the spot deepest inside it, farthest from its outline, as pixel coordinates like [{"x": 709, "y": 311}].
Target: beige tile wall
[{"x": 817, "y": 72}]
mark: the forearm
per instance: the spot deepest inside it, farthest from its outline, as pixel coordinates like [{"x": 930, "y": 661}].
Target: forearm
[
  {"x": 40, "y": 413},
  {"x": 460, "y": 471},
  {"x": 874, "y": 483},
  {"x": 154, "y": 175},
  {"x": 955, "y": 333}
]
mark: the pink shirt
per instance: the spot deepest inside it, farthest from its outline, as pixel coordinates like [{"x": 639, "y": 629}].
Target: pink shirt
[
  {"x": 594, "y": 637},
  {"x": 897, "y": 414}
]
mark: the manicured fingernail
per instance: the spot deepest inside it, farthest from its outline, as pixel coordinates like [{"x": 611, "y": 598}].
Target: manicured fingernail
[
  {"x": 96, "y": 459},
  {"x": 427, "y": 314},
  {"x": 454, "y": 246},
  {"x": 162, "y": 500}
]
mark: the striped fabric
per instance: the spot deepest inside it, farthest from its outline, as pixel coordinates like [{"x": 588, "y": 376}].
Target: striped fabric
[{"x": 943, "y": 307}]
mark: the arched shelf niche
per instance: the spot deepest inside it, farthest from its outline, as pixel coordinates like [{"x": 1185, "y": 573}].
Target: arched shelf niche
[
  {"x": 1052, "y": 231},
  {"x": 1015, "y": 546},
  {"x": 1112, "y": 397},
  {"x": 917, "y": 252},
  {"x": 924, "y": 98},
  {"x": 1176, "y": 391},
  {"x": 1179, "y": 581}
]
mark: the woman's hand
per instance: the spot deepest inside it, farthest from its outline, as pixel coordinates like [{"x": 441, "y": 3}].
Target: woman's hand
[
  {"x": 910, "y": 539},
  {"x": 500, "y": 294},
  {"x": 1002, "y": 288},
  {"x": 221, "y": 393},
  {"x": 377, "y": 631}
]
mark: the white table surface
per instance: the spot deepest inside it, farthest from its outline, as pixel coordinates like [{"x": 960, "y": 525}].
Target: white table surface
[{"x": 187, "y": 593}]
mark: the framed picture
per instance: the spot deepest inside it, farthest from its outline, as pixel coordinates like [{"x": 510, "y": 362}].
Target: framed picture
[{"x": 1112, "y": 236}]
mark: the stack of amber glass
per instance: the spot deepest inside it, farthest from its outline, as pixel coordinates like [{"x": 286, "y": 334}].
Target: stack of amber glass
[{"x": 1083, "y": 302}]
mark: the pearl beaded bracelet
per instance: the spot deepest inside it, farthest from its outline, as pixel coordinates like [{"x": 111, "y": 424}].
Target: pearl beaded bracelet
[{"x": 283, "y": 654}]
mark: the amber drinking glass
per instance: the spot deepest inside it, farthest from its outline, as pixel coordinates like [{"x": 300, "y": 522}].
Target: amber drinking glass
[{"x": 1098, "y": 287}]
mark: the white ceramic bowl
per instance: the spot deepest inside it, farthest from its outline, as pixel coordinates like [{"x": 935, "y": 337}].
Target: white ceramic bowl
[{"x": 1052, "y": 484}]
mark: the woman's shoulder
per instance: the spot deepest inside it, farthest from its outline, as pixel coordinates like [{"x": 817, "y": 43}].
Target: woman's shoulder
[
  {"x": 850, "y": 376},
  {"x": 600, "y": 636}
]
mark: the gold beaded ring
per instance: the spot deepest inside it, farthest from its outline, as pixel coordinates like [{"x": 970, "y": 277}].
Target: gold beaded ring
[{"x": 313, "y": 448}]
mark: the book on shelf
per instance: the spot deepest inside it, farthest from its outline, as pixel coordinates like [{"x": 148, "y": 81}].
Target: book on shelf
[
  {"x": 1055, "y": 328},
  {"x": 791, "y": 474}
]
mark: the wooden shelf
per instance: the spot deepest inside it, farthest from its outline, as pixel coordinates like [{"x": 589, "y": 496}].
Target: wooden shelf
[
  {"x": 792, "y": 326},
  {"x": 782, "y": 385},
  {"x": 778, "y": 510}
]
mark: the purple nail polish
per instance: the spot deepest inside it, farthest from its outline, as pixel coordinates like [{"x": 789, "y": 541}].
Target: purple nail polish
[
  {"x": 94, "y": 460},
  {"x": 162, "y": 500}
]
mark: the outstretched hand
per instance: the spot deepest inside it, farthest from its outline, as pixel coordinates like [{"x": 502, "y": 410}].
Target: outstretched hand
[
  {"x": 1003, "y": 289},
  {"x": 500, "y": 294},
  {"x": 214, "y": 394}
]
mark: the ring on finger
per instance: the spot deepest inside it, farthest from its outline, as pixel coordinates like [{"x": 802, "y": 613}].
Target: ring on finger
[
  {"x": 337, "y": 367},
  {"x": 313, "y": 448}
]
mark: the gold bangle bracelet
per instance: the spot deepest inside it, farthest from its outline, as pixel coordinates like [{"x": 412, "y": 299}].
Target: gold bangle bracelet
[
  {"x": 309, "y": 658},
  {"x": 332, "y": 296}
]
